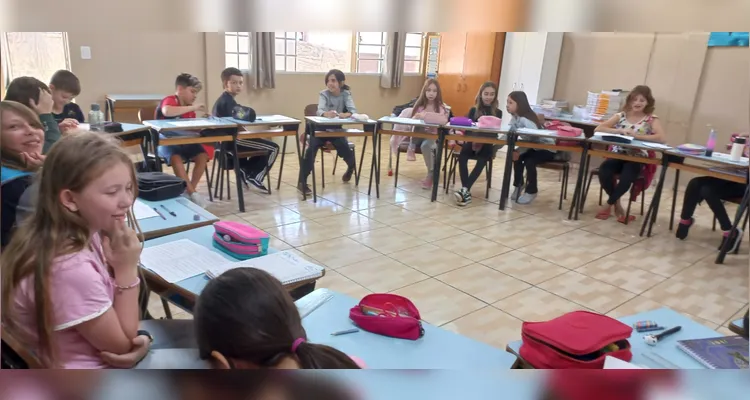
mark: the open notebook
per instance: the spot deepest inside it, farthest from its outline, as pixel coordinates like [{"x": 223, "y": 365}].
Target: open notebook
[{"x": 285, "y": 266}]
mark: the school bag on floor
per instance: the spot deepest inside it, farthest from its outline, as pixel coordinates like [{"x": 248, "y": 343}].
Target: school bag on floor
[
  {"x": 388, "y": 315},
  {"x": 576, "y": 340},
  {"x": 239, "y": 240}
]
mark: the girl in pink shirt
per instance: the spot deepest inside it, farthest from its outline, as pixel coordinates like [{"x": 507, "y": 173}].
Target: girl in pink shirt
[
  {"x": 245, "y": 319},
  {"x": 70, "y": 274}
]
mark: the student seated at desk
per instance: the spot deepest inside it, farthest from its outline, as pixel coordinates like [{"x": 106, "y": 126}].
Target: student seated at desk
[
  {"x": 245, "y": 319},
  {"x": 70, "y": 276},
  {"x": 523, "y": 116},
  {"x": 22, "y": 137},
  {"x": 637, "y": 120},
  {"x": 182, "y": 105},
  {"x": 713, "y": 191},
  {"x": 64, "y": 87},
  {"x": 486, "y": 103},
  {"x": 35, "y": 95},
  {"x": 334, "y": 102},
  {"x": 253, "y": 169},
  {"x": 429, "y": 108}
]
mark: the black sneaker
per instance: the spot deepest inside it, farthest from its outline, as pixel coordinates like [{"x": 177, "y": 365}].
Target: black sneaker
[
  {"x": 682, "y": 229},
  {"x": 463, "y": 197},
  {"x": 734, "y": 239},
  {"x": 257, "y": 184},
  {"x": 347, "y": 175},
  {"x": 304, "y": 189}
]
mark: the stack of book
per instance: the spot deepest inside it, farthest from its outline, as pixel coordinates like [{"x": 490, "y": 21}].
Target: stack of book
[{"x": 601, "y": 106}]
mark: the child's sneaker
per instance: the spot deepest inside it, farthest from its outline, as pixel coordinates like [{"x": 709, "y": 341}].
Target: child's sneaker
[
  {"x": 527, "y": 198},
  {"x": 734, "y": 238},
  {"x": 516, "y": 194},
  {"x": 427, "y": 183},
  {"x": 683, "y": 227},
  {"x": 196, "y": 198},
  {"x": 304, "y": 189},
  {"x": 463, "y": 197},
  {"x": 258, "y": 185},
  {"x": 411, "y": 154}
]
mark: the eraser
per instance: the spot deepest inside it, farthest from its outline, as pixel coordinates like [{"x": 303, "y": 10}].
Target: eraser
[{"x": 196, "y": 217}]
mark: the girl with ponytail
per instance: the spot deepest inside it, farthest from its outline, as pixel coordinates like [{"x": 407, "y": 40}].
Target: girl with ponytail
[{"x": 245, "y": 319}]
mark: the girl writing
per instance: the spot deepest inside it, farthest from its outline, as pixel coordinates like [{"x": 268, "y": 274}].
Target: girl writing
[
  {"x": 637, "y": 120},
  {"x": 245, "y": 319},
  {"x": 429, "y": 107},
  {"x": 22, "y": 136},
  {"x": 486, "y": 103},
  {"x": 524, "y": 117},
  {"x": 70, "y": 274}
]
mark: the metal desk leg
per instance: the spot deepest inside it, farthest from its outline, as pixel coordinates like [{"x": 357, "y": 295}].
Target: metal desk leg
[
  {"x": 237, "y": 176},
  {"x": 281, "y": 166},
  {"x": 578, "y": 192},
  {"x": 505, "y": 188},
  {"x": 674, "y": 197},
  {"x": 436, "y": 166},
  {"x": 657, "y": 195}
]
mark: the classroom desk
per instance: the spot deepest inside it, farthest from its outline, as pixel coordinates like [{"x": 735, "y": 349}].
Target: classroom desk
[
  {"x": 665, "y": 355},
  {"x": 184, "y": 293},
  {"x": 737, "y": 326},
  {"x": 577, "y": 204},
  {"x": 322, "y": 127},
  {"x": 185, "y": 209},
  {"x": 268, "y": 127},
  {"x": 414, "y": 123},
  {"x": 130, "y": 106},
  {"x": 196, "y": 125},
  {"x": 437, "y": 349}
]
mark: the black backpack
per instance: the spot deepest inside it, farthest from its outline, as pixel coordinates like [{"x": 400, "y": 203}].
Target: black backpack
[{"x": 157, "y": 186}]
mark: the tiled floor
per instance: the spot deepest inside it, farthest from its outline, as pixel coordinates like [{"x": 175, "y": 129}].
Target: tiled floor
[{"x": 479, "y": 271}]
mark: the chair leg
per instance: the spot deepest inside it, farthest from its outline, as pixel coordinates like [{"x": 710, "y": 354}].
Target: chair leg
[
  {"x": 229, "y": 186},
  {"x": 213, "y": 174},
  {"x": 220, "y": 186},
  {"x": 395, "y": 174},
  {"x": 627, "y": 213},
  {"x": 643, "y": 201},
  {"x": 489, "y": 179},
  {"x": 335, "y": 161},
  {"x": 167, "y": 311},
  {"x": 451, "y": 173},
  {"x": 566, "y": 177},
  {"x": 586, "y": 192},
  {"x": 323, "y": 168},
  {"x": 713, "y": 228},
  {"x": 362, "y": 157},
  {"x": 208, "y": 181},
  {"x": 562, "y": 189}
]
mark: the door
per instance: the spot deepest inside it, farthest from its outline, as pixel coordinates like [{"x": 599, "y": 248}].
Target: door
[
  {"x": 478, "y": 62},
  {"x": 450, "y": 67}
]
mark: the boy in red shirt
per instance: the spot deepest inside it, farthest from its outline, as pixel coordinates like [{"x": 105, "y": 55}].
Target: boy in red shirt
[{"x": 182, "y": 105}]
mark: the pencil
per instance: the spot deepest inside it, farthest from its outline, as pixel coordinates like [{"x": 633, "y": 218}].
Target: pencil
[
  {"x": 160, "y": 214},
  {"x": 346, "y": 332},
  {"x": 167, "y": 210}
]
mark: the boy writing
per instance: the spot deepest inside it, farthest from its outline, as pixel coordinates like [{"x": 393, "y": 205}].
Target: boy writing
[
  {"x": 64, "y": 87},
  {"x": 182, "y": 105},
  {"x": 253, "y": 169}
]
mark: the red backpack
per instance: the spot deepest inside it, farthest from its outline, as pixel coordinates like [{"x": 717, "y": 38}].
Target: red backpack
[
  {"x": 576, "y": 340},
  {"x": 388, "y": 315}
]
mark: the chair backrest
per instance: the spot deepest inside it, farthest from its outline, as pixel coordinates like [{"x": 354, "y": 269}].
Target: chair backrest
[
  {"x": 311, "y": 110},
  {"x": 23, "y": 352}
]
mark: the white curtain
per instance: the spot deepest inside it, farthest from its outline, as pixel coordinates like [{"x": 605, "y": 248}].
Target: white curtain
[{"x": 393, "y": 63}]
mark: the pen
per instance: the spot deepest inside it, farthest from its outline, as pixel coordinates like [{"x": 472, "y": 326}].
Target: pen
[
  {"x": 346, "y": 332},
  {"x": 167, "y": 210},
  {"x": 160, "y": 214}
]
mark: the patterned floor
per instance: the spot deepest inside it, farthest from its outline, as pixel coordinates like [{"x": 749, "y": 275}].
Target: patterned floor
[{"x": 479, "y": 271}]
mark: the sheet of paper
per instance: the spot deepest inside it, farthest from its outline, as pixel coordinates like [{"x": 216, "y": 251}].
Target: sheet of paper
[
  {"x": 616, "y": 363},
  {"x": 84, "y": 127},
  {"x": 142, "y": 211},
  {"x": 271, "y": 118},
  {"x": 656, "y": 145},
  {"x": 727, "y": 158},
  {"x": 193, "y": 122},
  {"x": 599, "y": 135},
  {"x": 528, "y": 131},
  {"x": 180, "y": 260}
]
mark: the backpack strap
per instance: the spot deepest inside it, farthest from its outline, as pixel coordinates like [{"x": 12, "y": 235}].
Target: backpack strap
[{"x": 8, "y": 174}]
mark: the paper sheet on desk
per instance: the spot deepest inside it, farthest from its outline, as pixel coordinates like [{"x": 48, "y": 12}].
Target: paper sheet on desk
[
  {"x": 656, "y": 145},
  {"x": 180, "y": 260},
  {"x": 616, "y": 363},
  {"x": 142, "y": 211},
  {"x": 187, "y": 123}
]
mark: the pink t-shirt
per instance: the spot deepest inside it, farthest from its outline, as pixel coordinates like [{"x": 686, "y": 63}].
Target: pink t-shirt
[{"x": 81, "y": 289}]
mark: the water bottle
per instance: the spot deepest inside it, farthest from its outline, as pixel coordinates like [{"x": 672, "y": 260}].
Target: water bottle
[
  {"x": 711, "y": 142},
  {"x": 738, "y": 148},
  {"x": 96, "y": 118}
]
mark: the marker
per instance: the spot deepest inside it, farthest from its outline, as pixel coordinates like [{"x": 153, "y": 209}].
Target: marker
[
  {"x": 167, "y": 210},
  {"x": 160, "y": 214},
  {"x": 346, "y": 332}
]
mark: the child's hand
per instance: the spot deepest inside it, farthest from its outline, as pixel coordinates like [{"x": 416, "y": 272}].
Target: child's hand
[
  {"x": 122, "y": 250},
  {"x": 516, "y": 155},
  {"x": 67, "y": 124},
  {"x": 45, "y": 103},
  {"x": 33, "y": 159},
  {"x": 141, "y": 346},
  {"x": 627, "y": 132},
  {"x": 330, "y": 114},
  {"x": 419, "y": 115},
  {"x": 199, "y": 108}
]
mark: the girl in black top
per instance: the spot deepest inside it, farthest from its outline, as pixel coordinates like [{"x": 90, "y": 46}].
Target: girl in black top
[{"x": 485, "y": 104}]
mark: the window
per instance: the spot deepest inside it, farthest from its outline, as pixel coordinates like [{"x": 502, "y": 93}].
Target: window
[
  {"x": 37, "y": 54},
  {"x": 236, "y": 49},
  {"x": 320, "y": 51}
]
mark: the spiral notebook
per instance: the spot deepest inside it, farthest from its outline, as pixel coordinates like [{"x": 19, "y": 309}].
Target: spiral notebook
[
  {"x": 725, "y": 352},
  {"x": 285, "y": 266}
]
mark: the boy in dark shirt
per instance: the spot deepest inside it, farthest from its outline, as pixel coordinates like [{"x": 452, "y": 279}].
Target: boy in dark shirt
[
  {"x": 64, "y": 87},
  {"x": 36, "y": 95},
  {"x": 253, "y": 169}
]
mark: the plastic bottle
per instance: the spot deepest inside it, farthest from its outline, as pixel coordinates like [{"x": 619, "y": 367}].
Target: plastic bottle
[
  {"x": 96, "y": 118},
  {"x": 738, "y": 147},
  {"x": 711, "y": 144}
]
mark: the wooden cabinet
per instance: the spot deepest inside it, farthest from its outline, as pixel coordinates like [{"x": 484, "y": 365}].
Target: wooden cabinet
[
  {"x": 530, "y": 61},
  {"x": 466, "y": 61}
]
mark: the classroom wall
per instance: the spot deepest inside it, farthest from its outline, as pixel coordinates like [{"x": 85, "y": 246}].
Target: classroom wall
[
  {"x": 149, "y": 62},
  {"x": 693, "y": 84}
]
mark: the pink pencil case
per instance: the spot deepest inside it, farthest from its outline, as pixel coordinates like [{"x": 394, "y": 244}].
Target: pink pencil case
[{"x": 240, "y": 240}]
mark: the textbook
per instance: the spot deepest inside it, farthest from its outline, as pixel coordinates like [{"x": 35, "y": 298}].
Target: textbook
[{"x": 725, "y": 352}]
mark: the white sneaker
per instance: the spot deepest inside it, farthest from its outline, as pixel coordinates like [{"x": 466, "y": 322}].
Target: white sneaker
[{"x": 198, "y": 199}]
